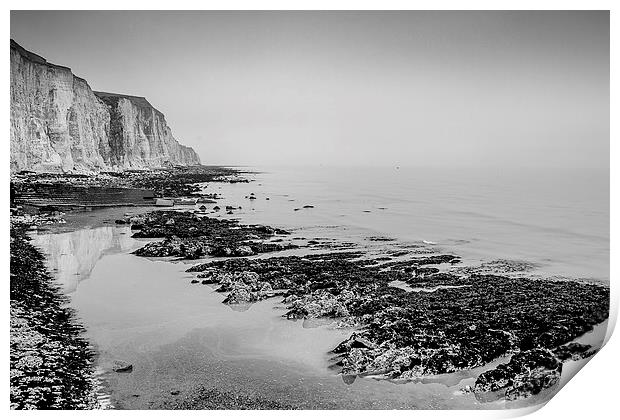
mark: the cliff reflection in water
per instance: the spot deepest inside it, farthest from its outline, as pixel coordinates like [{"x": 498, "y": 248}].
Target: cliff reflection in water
[{"x": 73, "y": 255}]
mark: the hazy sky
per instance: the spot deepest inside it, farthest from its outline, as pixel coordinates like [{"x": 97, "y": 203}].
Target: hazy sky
[{"x": 381, "y": 88}]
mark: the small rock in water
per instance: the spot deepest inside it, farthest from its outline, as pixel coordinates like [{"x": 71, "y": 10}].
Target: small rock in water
[
  {"x": 175, "y": 392},
  {"x": 348, "y": 379},
  {"x": 121, "y": 366}
]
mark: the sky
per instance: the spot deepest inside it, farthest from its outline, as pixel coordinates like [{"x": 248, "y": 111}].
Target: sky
[{"x": 445, "y": 89}]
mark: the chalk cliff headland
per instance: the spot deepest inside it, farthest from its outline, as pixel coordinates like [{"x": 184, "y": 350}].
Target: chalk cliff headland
[{"x": 58, "y": 123}]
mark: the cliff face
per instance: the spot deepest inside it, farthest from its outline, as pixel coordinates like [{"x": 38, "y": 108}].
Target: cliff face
[
  {"x": 59, "y": 124},
  {"x": 139, "y": 134}
]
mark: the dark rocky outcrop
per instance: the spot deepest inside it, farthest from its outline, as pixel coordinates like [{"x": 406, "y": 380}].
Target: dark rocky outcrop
[
  {"x": 526, "y": 374},
  {"x": 445, "y": 324},
  {"x": 190, "y": 236},
  {"x": 129, "y": 188}
]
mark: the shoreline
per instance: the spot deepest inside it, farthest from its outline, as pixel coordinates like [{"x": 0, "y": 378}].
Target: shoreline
[
  {"x": 51, "y": 362},
  {"x": 45, "y": 191},
  {"x": 244, "y": 289}
]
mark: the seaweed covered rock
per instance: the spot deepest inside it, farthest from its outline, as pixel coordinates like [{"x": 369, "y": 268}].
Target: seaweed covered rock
[
  {"x": 444, "y": 330},
  {"x": 444, "y": 323},
  {"x": 318, "y": 304},
  {"x": 526, "y": 374},
  {"x": 242, "y": 287},
  {"x": 574, "y": 351},
  {"x": 241, "y": 294},
  {"x": 192, "y": 237}
]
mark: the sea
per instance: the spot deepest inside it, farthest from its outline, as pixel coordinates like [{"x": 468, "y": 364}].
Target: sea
[{"x": 178, "y": 335}]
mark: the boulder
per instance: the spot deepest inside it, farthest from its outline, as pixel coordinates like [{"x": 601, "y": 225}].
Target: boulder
[
  {"x": 241, "y": 294},
  {"x": 121, "y": 366}
]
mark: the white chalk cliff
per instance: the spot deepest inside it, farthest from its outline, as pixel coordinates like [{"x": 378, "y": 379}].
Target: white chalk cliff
[{"x": 59, "y": 124}]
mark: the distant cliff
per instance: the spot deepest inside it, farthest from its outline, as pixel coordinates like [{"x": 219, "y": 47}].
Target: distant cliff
[{"x": 59, "y": 124}]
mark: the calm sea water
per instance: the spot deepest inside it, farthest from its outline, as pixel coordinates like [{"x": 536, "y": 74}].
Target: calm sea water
[
  {"x": 179, "y": 335},
  {"x": 557, "y": 219}
]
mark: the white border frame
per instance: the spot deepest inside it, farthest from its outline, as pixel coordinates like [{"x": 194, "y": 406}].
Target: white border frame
[{"x": 592, "y": 393}]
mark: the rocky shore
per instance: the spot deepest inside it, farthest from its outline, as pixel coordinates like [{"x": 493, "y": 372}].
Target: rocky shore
[
  {"x": 414, "y": 319},
  {"x": 191, "y": 236},
  {"x": 416, "y": 313},
  {"x": 51, "y": 363},
  {"x": 443, "y": 324},
  {"x": 138, "y": 187}
]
